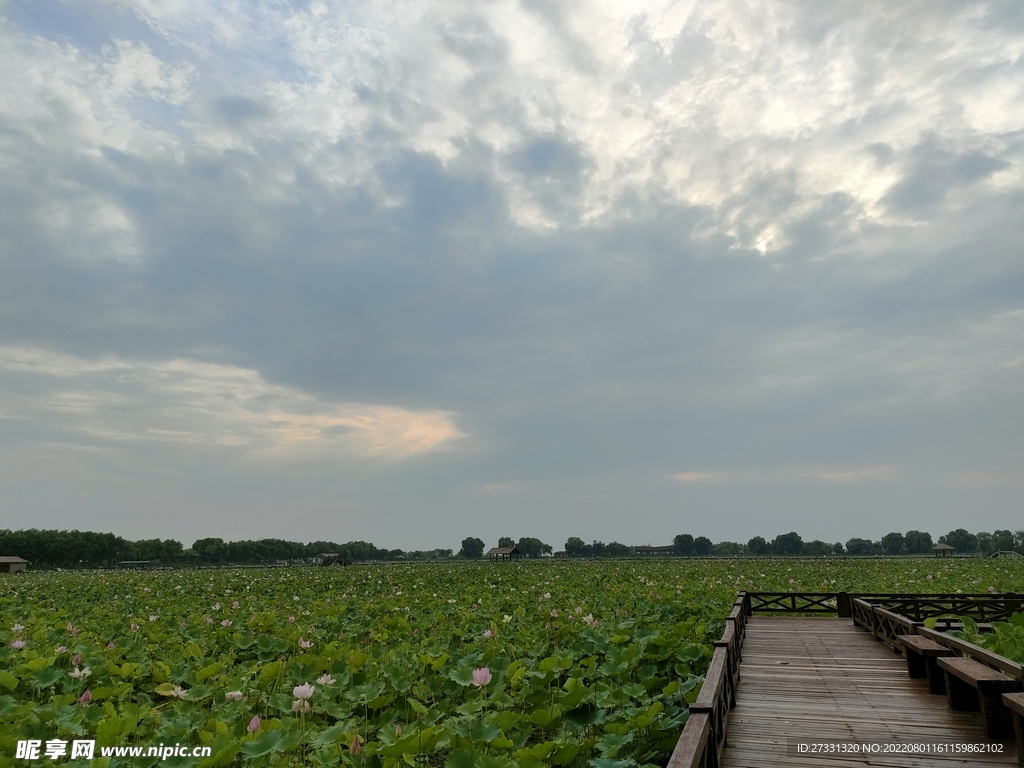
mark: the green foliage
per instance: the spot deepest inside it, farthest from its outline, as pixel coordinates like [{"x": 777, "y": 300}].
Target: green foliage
[
  {"x": 472, "y": 548},
  {"x": 591, "y": 663},
  {"x": 1006, "y": 638}
]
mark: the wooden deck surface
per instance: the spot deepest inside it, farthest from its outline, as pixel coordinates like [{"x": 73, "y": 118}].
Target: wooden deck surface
[{"x": 826, "y": 679}]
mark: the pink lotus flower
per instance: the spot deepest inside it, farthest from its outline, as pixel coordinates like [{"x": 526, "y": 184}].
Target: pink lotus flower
[
  {"x": 135, "y": 627},
  {"x": 357, "y": 745},
  {"x": 179, "y": 692},
  {"x": 233, "y": 696},
  {"x": 234, "y": 604},
  {"x": 398, "y": 731},
  {"x": 300, "y": 705},
  {"x": 992, "y": 590},
  {"x": 488, "y": 634},
  {"x": 76, "y": 660},
  {"x": 110, "y": 645},
  {"x": 481, "y": 677},
  {"x": 304, "y": 691},
  {"x": 17, "y": 627},
  {"x": 80, "y": 674},
  {"x": 291, "y": 619},
  {"x": 62, "y": 649},
  {"x": 305, "y": 644},
  {"x": 254, "y": 724},
  {"x": 325, "y": 679},
  {"x": 207, "y": 619},
  {"x": 226, "y": 623},
  {"x": 18, "y": 644},
  {"x": 554, "y": 613},
  {"x": 86, "y": 697},
  {"x": 474, "y": 606}
]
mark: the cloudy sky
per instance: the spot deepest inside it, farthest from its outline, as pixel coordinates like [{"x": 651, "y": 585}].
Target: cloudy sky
[{"x": 414, "y": 271}]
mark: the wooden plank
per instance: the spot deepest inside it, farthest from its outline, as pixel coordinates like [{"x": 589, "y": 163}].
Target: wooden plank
[{"x": 825, "y": 679}]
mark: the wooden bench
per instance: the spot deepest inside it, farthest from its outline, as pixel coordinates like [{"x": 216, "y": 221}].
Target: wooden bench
[
  {"x": 923, "y": 660},
  {"x": 1015, "y": 703},
  {"x": 971, "y": 685}
]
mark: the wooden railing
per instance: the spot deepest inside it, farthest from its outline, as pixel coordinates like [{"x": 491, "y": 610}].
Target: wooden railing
[
  {"x": 918, "y": 607},
  {"x": 885, "y": 615},
  {"x": 703, "y": 739}
]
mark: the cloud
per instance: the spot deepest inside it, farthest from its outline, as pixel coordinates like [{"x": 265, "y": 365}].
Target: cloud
[
  {"x": 190, "y": 402},
  {"x": 864, "y": 474},
  {"x": 608, "y": 241}
]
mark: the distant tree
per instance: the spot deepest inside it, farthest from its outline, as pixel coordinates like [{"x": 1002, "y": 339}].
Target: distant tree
[
  {"x": 787, "y": 544},
  {"x": 817, "y": 547},
  {"x": 1018, "y": 541},
  {"x": 531, "y": 547},
  {"x": 837, "y": 548},
  {"x": 615, "y": 549},
  {"x": 961, "y": 540},
  {"x": 702, "y": 546},
  {"x": 209, "y": 550},
  {"x": 1002, "y": 541},
  {"x": 596, "y": 548},
  {"x": 683, "y": 544},
  {"x": 894, "y": 544},
  {"x": 472, "y": 548},
  {"x": 757, "y": 546},
  {"x": 506, "y": 541},
  {"x": 917, "y": 542},
  {"x": 574, "y": 546},
  {"x": 985, "y": 541},
  {"x": 860, "y": 547},
  {"x": 727, "y": 549}
]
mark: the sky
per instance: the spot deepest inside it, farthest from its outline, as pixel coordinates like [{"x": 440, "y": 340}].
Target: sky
[{"x": 409, "y": 272}]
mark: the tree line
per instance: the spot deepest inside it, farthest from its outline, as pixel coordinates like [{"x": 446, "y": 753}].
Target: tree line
[
  {"x": 71, "y": 549},
  {"x": 74, "y": 549},
  {"x": 961, "y": 540}
]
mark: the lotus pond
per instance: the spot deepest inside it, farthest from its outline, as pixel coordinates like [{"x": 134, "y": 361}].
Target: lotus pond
[{"x": 458, "y": 665}]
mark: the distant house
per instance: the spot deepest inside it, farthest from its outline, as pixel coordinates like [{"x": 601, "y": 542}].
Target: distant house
[
  {"x": 942, "y": 550},
  {"x": 11, "y": 564},
  {"x": 648, "y": 550},
  {"x": 502, "y": 554},
  {"x": 138, "y": 565},
  {"x": 330, "y": 558}
]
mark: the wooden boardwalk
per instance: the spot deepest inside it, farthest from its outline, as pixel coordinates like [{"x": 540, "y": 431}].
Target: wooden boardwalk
[{"x": 827, "y": 679}]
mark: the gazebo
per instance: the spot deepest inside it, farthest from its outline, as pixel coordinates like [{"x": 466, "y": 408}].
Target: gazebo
[
  {"x": 942, "y": 550},
  {"x": 503, "y": 554},
  {"x": 11, "y": 564}
]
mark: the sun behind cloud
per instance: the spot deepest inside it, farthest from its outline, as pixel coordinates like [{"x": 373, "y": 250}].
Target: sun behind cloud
[{"x": 194, "y": 402}]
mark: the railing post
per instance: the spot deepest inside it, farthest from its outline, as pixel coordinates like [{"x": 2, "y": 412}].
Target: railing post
[{"x": 843, "y": 606}]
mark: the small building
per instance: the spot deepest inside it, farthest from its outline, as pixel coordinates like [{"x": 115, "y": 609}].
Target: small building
[
  {"x": 331, "y": 558},
  {"x": 12, "y": 564},
  {"x": 501, "y": 554},
  {"x": 942, "y": 550},
  {"x": 137, "y": 565},
  {"x": 649, "y": 551}
]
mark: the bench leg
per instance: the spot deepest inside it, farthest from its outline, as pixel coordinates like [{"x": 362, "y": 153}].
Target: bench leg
[
  {"x": 1018, "y": 732},
  {"x": 915, "y": 664},
  {"x": 961, "y": 695},
  {"x": 998, "y": 725},
  {"x": 936, "y": 676}
]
